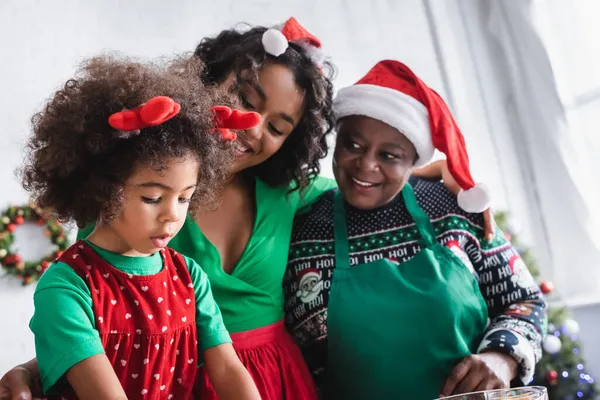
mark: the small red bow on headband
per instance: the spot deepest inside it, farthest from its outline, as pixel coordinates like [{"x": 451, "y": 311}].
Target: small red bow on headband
[
  {"x": 154, "y": 112},
  {"x": 226, "y": 119}
]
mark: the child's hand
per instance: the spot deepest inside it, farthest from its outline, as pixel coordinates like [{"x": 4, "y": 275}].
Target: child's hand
[{"x": 228, "y": 376}]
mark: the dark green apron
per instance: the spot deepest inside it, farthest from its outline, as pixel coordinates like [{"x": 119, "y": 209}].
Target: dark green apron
[{"x": 396, "y": 331}]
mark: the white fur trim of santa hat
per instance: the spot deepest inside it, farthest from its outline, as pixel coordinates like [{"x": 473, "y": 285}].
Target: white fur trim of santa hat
[{"x": 393, "y": 107}]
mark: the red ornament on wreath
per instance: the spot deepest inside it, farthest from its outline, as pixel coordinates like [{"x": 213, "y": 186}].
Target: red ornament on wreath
[{"x": 10, "y": 261}]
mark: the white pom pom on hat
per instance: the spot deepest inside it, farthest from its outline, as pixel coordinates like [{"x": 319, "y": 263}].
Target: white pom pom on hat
[
  {"x": 392, "y": 93},
  {"x": 276, "y": 41}
]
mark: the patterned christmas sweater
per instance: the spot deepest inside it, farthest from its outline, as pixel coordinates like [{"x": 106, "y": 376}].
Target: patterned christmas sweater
[{"x": 516, "y": 308}]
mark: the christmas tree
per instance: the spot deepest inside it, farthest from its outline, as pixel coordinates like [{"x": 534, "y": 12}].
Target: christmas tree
[{"x": 562, "y": 368}]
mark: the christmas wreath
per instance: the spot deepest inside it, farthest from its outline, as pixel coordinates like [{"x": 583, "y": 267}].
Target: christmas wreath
[{"x": 11, "y": 261}]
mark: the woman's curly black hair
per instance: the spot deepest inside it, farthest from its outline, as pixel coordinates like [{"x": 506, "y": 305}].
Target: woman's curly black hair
[
  {"x": 77, "y": 164},
  {"x": 297, "y": 161}
]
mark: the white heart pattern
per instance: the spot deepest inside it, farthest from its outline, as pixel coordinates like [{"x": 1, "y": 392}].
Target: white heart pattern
[
  {"x": 127, "y": 316},
  {"x": 137, "y": 346},
  {"x": 75, "y": 256},
  {"x": 130, "y": 275},
  {"x": 144, "y": 391},
  {"x": 184, "y": 319},
  {"x": 157, "y": 346},
  {"x": 106, "y": 275},
  {"x": 160, "y": 299},
  {"x": 179, "y": 380},
  {"x": 191, "y": 285},
  {"x": 113, "y": 302},
  {"x": 191, "y": 360},
  {"x": 162, "y": 387},
  {"x": 138, "y": 331},
  {"x": 100, "y": 319},
  {"x": 134, "y": 376},
  {"x": 117, "y": 346},
  {"x": 146, "y": 361},
  {"x": 137, "y": 303},
  {"x": 169, "y": 312},
  {"x": 157, "y": 376},
  {"x": 172, "y": 340},
  {"x": 170, "y": 396},
  {"x": 175, "y": 277},
  {"x": 80, "y": 246},
  {"x": 187, "y": 301},
  {"x": 122, "y": 287},
  {"x": 89, "y": 267},
  {"x": 177, "y": 352},
  {"x": 115, "y": 331},
  {"x": 123, "y": 362},
  {"x": 144, "y": 288},
  {"x": 172, "y": 369},
  {"x": 164, "y": 328},
  {"x": 165, "y": 284},
  {"x": 150, "y": 316}
]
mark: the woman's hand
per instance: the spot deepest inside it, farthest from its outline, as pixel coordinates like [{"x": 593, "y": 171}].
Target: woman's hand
[
  {"x": 477, "y": 372},
  {"x": 21, "y": 382},
  {"x": 439, "y": 170}
]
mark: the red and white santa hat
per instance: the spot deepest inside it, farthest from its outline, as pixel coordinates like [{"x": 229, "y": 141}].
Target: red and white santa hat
[
  {"x": 277, "y": 39},
  {"x": 390, "y": 92}
]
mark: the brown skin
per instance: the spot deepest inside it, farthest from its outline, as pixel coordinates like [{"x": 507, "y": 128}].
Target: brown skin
[
  {"x": 373, "y": 152},
  {"x": 280, "y": 102}
]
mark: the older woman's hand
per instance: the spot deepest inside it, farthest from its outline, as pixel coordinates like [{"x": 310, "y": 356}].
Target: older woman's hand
[
  {"x": 21, "y": 382},
  {"x": 486, "y": 371},
  {"x": 439, "y": 170}
]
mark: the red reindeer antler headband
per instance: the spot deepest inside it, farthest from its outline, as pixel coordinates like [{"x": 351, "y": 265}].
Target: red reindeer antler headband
[
  {"x": 154, "y": 112},
  {"x": 160, "y": 109},
  {"x": 227, "y": 119}
]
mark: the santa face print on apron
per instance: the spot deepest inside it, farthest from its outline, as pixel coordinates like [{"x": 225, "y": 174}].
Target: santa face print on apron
[{"x": 396, "y": 330}]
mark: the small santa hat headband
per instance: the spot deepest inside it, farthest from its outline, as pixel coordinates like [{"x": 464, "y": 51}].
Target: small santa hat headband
[
  {"x": 277, "y": 39},
  {"x": 390, "y": 92}
]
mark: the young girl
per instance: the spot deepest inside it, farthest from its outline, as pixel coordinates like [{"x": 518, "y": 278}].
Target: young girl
[
  {"x": 119, "y": 315},
  {"x": 392, "y": 290}
]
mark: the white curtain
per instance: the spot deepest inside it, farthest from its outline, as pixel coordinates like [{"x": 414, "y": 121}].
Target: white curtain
[{"x": 550, "y": 154}]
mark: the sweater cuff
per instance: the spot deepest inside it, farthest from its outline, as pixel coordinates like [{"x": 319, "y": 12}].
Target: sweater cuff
[{"x": 514, "y": 345}]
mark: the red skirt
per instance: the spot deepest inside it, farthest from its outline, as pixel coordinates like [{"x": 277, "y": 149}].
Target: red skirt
[{"x": 274, "y": 362}]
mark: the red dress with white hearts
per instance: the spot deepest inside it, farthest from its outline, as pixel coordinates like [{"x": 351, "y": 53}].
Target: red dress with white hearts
[{"x": 147, "y": 324}]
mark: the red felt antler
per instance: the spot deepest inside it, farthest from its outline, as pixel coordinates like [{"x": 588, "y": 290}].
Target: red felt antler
[
  {"x": 227, "y": 119},
  {"x": 154, "y": 112}
]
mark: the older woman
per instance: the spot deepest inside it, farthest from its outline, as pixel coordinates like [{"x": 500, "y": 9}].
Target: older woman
[{"x": 392, "y": 291}]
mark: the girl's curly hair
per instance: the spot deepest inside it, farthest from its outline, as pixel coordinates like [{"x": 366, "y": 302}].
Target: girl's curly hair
[
  {"x": 297, "y": 161},
  {"x": 77, "y": 164}
]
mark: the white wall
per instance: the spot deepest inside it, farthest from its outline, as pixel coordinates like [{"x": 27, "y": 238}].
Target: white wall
[{"x": 41, "y": 42}]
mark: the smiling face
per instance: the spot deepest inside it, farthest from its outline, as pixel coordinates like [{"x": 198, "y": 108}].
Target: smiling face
[
  {"x": 372, "y": 161},
  {"x": 275, "y": 95}
]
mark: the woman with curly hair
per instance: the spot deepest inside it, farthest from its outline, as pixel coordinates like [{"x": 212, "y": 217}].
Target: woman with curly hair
[
  {"x": 119, "y": 315},
  {"x": 242, "y": 244}
]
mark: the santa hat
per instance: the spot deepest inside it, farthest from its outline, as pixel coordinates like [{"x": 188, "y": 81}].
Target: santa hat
[
  {"x": 390, "y": 92},
  {"x": 277, "y": 39}
]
